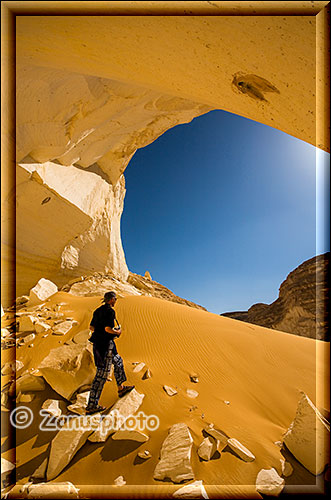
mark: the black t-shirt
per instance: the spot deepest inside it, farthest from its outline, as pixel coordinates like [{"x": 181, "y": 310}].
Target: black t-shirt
[{"x": 102, "y": 317}]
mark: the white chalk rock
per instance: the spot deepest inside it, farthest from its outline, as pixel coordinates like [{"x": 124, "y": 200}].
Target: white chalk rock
[
  {"x": 41, "y": 327},
  {"x": 130, "y": 435},
  {"x": 79, "y": 406},
  {"x": 30, "y": 383},
  {"x": 144, "y": 454},
  {"x": 6, "y": 468},
  {"x": 175, "y": 455},
  {"x": 68, "y": 441},
  {"x": 241, "y": 450},
  {"x": 26, "y": 340},
  {"x": 25, "y": 398},
  {"x": 42, "y": 291},
  {"x": 308, "y": 436},
  {"x": 169, "y": 390},
  {"x": 81, "y": 337},
  {"x": 63, "y": 327},
  {"x": 52, "y": 490},
  {"x": 286, "y": 467},
  {"x": 67, "y": 368},
  {"x": 138, "y": 367},
  {"x": 268, "y": 482},
  {"x": 207, "y": 448},
  {"x": 221, "y": 439},
  {"x": 117, "y": 416},
  {"x": 193, "y": 490},
  {"x": 120, "y": 481},
  {"x": 52, "y": 407},
  {"x": 147, "y": 374},
  {"x": 40, "y": 472},
  {"x": 191, "y": 393},
  {"x": 26, "y": 323}
]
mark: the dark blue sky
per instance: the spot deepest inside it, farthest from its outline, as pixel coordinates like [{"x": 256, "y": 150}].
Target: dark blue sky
[{"x": 220, "y": 210}]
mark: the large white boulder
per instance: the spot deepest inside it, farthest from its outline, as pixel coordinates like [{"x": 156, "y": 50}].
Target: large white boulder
[
  {"x": 175, "y": 455},
  {"x": 42, "y": 291},
  {"x": 68, "y": 441},
  {"x": 308, "y": 436},
  {"x": 268, "y": 482},
  {"x": 68, "y": 367},
  {"x": 117, "y": 416}
]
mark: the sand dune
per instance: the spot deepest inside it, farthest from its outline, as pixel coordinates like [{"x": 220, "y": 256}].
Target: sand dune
[{"x": 250, "y": 380}]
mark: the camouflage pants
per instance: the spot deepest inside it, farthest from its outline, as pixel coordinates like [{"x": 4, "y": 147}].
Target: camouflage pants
[{"x": 103, "y": 370}]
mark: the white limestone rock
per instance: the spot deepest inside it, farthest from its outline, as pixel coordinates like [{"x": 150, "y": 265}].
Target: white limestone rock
[
  {"x": 192, "y": 490},
  {"x": 169, "y": 390},
  {"x": 68, "y": 441},
  {"x": 52, "y": 406},
  {"x": 27, "y": 340},
  {"x": 147, "y": 374},
  {"x": 207, "y": 448},
  {"x": 241, "y": 450},
  {"x": 286, "y": 467},
  {"x": 138, "y": 367},
  {"x": 41, "y": 327},
  {"x": 25, "y": 398},
  {"x": 175, "y": 455},
  {"x": 145, "y": 455},
  {"x": 59, "y": 491},
  {"x": 67, "y": 368},
  {"x": 191, "y": 393},
  {"x": 133, "y": 435},
  {"x": 79, "y": 406},
  {"x": 117, "y": 416},
  {"x": 221, "y": 439},
  {"x": 308, "y": 436},
  {"x": 268, "y": 482},
  {"x": 6, "y": 469},
  {"x": 30, "y": 383},
  {"x": 42, "y": 291},
  {"x": 63, "y": 327},
  {"x": 194, "y": 378},
  {"x": 120, "y": 481},
  {"x": 40, "y": 472}
]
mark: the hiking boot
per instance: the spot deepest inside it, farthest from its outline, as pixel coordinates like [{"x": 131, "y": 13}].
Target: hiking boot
[{"x": 125, "y": 390}]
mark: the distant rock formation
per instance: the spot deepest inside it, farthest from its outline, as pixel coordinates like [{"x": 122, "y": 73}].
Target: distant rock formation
[{"x": 302, "y": 304}]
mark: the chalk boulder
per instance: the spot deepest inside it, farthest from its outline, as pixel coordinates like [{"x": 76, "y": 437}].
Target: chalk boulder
[
  {"x": 42, "y": 291},
  {"x": 268, "y": 482}
]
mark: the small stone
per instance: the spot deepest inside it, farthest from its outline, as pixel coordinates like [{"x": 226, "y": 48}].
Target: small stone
[
  {"x": 279, "y": 443},
  {"x": 133, "y": 435},
  {"x": 138, "y": 367},
  {"x": 241, "y": 450},
  {"x": 52, "y": 407},
  {"x": 169, "y": 390},
  {"x": 268, "y": 482},
  {"x": 120, "y": 481},
  {"x": 40, "y": 472},
  {"x": 194, "y": 378},
  {"x": 62, "y": 328},
  {"x": 80, "y": 404},
  {"x": 192, "y": 394},
  {"x": 26, "y": 340},
  {"x": 147, "y": 374},
  {"x": 226, "y": 402},
  {"x": 193, "y": 490},
  {"x": 287, "y": 468},
  {"x": 221, "y": 439},
  {"x": 42, "y": 327},
  {"x": 25, "y": 398},
  {"x": 207, "y": 448},
  {"x": 30, "y": 383},
  {"x": 144, "y": 454}
]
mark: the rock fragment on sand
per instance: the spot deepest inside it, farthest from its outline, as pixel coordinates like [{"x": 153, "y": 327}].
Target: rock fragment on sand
[
  {"x": 308, "y": 436},
  {"x": 81, "y": 337},
  {"x": 207, "y": 448},
  {"x": 175, "y": 455},
  {"x": 25, "y": 398},
  {"x": 221, "y": 439},
  {"x": 40, "y": 472},
  {"x": 27, "y": 340},
  {"x": 286, "y": 467},
  {"x": 71, "y": 437},
  {"x": 241, "y": 450},
  {"x": 42, "y": 291},
  {"x": 30, "y": 383},
  {"x": 80, "y": 404},
  {"x": 42, "y": 327},
  {"x": 67, "y": 368},
  {"x": 120, "y": 481},
  {"x": 117, "y": 416},
  {"x": 193, "y": 490},
  {"x": 268, "y": 482},
  {"x": 194, "y": 378},
  {"x": 145, "y": 455},
  {"x": 138, "y": 367},
  {"x": 63, "y": 327},
  {"x": 147, "y": 374},
  {"x": 6, "y": 472},
  {"x": 169, "y": 390},
  {"x": 52, "y": 407},
  {"x": 133, "y": 435},
  {"x": 191, "y": 393},
  {"x": 51, "y": 490}
]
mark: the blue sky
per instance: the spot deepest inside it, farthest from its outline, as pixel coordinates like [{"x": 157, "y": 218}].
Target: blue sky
[{"x": 220, "y": 210}]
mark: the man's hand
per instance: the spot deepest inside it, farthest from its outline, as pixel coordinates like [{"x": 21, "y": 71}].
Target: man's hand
[{"x": 113, "y": 331}]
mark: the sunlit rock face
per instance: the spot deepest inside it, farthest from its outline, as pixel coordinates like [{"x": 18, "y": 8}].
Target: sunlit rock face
[{"x": 75, "y": 136}]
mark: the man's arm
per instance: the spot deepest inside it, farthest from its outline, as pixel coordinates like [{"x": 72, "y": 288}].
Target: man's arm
[{"x": 110, "y": 330}]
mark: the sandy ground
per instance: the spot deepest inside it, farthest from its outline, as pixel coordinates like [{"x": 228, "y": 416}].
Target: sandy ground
[{"x": 250, "y": 380}]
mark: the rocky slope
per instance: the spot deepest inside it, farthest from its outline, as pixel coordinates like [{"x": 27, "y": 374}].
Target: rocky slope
[{"x": 302, "y": 304}]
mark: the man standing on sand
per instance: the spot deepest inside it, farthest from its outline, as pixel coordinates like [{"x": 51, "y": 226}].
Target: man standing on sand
[{"x": 105, "y": 352}]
